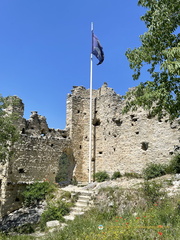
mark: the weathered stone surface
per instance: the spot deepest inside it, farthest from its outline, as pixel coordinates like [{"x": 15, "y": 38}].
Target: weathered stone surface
[
  {"x": 21, "y": 217},
  {"x": 37, "y": 157},
  {"x": 124, "y": 143},
  {"x": 54, "y": 223}
]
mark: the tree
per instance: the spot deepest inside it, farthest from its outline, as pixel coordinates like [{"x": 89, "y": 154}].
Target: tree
[
  {"x": 160, "y": 49},
  {"x": 8, "y": 131}
]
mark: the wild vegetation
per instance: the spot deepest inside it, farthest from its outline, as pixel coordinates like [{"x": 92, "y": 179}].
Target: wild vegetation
[
  {"x": 8, "y": 132},
  {"x": 36, "y": 192},
  {"x": 152, "y": 170},
  {"x": 101, "y": 176},
  {"x": 145, "y": 212},
  {"x": 113, "y": 205},
  {"x": 56, "y": 208}
]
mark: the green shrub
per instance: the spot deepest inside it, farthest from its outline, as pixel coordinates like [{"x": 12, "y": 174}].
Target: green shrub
[
  {"x": 174, "y": 165},
  {"x": 116, "y": 175},
  {"x": 152, "y": 191},
  {"x": 36, "y": 192},
  {"x": 101, "y": 176},
  {"x": 66, "y": 195},
  {"x": 154, "y": 170},
  {"x": 55, "y": 212},
  {"x": 132, "y": 175}
]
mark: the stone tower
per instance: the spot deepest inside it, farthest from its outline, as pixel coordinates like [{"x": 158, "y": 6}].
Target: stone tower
[{"x": 124, "y": 143}]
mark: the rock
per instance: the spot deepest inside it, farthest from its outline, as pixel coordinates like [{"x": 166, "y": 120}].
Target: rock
[
  {"x": 111, "y": 204},
  {"x": 177, "y": 176},
  {"x": 21, "y": 217},
  {"x": 54, "y": 223}
]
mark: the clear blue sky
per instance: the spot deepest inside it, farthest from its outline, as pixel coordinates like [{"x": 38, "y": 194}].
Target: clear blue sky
[{"x": 45, "y": 50}]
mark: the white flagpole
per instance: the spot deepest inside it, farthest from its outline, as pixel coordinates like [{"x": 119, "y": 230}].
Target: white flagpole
[{"x": 90, "y": 111}]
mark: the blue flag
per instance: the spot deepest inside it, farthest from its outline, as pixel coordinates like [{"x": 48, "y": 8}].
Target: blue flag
[{"x": 97, "y": 49}]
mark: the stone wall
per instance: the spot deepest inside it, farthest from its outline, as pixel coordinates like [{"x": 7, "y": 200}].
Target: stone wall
[
  {"x": 124, "y": 143},
  {"x": 37, "y": 157}
]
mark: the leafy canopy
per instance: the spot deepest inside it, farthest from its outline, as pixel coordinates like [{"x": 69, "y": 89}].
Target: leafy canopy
[
  {"x": 8, "y": 131},
  {"x": 160, "y": 49}
]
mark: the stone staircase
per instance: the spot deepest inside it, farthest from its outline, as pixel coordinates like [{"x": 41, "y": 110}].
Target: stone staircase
[{"x": 83, "y": 203}]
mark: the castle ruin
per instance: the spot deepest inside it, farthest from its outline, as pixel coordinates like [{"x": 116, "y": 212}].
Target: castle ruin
[{"x": 120, "y": 142}]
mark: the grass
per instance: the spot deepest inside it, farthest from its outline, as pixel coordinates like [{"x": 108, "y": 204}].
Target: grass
[
  {"x": 18, "y": 237},
  {"x": 158, "y": 221},
  {"x": 155, "y": 220},
  {"x": 55, "y": 211},
  {"x": 145, "y": 213}
]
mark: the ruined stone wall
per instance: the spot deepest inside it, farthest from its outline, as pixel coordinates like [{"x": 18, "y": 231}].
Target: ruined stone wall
[
  {"x": 124, "y": 143},
  {"x": 36, "y": 157}
]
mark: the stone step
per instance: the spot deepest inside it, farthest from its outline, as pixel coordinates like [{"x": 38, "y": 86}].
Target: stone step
[
  {"x": 77, "y": 209},
  {"x": 81, "y": 204},
  {"x": 82, "y": 184},
  {"x": 82, "y": 192},
  {"x": 84, "y": 197},
  {"x": 83, "y": 200},
  {"x": 78, "y": 213},
  {"x": 72, "y": 215},
  {"x": 86, "y": 192}
]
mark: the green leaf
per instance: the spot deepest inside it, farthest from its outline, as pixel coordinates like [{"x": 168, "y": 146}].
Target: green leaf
[{"x": 160, "y": 49}]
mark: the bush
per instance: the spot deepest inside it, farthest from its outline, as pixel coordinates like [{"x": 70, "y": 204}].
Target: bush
[
  {"x": 132, "y": 175},
  {"x": 116, "y": 175},
  {"x": 151, "y": 191},
  {"x": 154, "y": 170},
  {"x": 36, "y": 192},
  {"x": 55, "y": 212},
  {"x": 174, "y": 166},
  {"x": 101, "y": 176}
]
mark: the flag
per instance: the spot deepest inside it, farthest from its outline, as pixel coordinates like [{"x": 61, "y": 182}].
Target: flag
[{"x": 97, "y": 49}]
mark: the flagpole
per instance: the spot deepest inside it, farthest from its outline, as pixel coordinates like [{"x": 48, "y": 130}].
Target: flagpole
[{"x": 90, "y": 111}]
